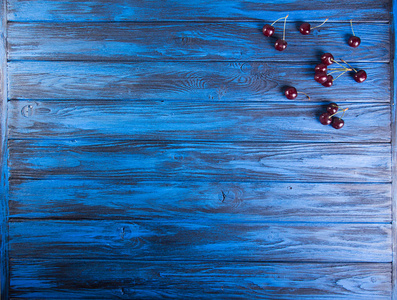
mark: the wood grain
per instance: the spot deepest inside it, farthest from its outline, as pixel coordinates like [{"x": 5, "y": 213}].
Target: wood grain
[
  {"x": 180, "y": 120},
  {"x": 191, "y": 241},
  {"x": 206, "y": 161},
  {"x": 238, "y": 201},
  {"x": 189, "y": 81},
  {"x": 191, "y": 10},
  {"x": 82, "y": 279},
  {"x": 237, "y": 41}
]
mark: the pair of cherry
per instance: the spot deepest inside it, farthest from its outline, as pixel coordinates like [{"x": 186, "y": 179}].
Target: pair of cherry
[
  {"x": 305, "y": 29},
  {"x": 328, "y": 117}
]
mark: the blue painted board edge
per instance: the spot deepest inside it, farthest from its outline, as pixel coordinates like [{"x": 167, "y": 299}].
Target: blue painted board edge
[{"x": 3, "y": 153}]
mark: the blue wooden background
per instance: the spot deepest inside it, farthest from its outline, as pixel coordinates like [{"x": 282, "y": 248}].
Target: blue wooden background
[{"x": 148, "y": 151}]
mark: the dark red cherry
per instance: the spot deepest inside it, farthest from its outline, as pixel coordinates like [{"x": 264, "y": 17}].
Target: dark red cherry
[
  {"x": 327, "y": 59},
  {"x": 268, "y": 30},
  {"x": 320, "y": 68},
  {"x": 320, "y": 77},
  {"x": 337, "y": 123},
  {"x": 332, "y": 108},
  {"x": 280, "y": 45},
  {"x": 354, "y": 41},
  {"x": 360, "y": 76},
  {"x": 305, "y": 28},
  {"x": 291, "y": 93},
  {"x": 325, "y": 119},
  {"x": 329, "y": 82}
]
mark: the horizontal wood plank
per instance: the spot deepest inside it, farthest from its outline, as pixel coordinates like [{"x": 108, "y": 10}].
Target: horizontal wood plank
[
  {"x": 206, "y": 161},
  {"x": 206, "y": 240},
  {"x": 189, "y": 81},
  {"x": 237, "y": 201},
  {"x": 179, "y": 120},
  {"x": 89, "y": 279},
  {"x": 191, "y": 10},
  {"x": 191, "y": 41}
]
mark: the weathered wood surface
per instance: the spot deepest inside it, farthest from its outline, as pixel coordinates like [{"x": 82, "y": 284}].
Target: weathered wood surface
[
  {"x": 44, "y": 159},
  {"x": 205, "y": 121},
  {"x": 238, "y": 201},
  {"x": 191, "y": 10},
  {"x": 206, "y": 240},
  {"x": 189, "y": 81},
  {"x": 236, "y": 41},
  {"x": 101, "y": 279}
]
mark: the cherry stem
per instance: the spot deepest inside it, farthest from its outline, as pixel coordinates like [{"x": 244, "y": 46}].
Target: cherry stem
[
  {"x": 339, "y": 112},
  {"x": 339, "y": 75},
  {"x": 285, "y": 22},
  {"x": 344, "y": 112},
  {"x": 349, "y": 65},
  {"x": 304, "y": 94},
  {"x": 340, "y": 69},
  {"x": 339, "y": 64},
  {"x": 278, "y": 20},
  {"x": 351, "y": 25},
  {"x": 321, "y": 23}
]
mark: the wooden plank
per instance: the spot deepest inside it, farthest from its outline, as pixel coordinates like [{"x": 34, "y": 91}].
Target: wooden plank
[
  {"x": 238, "y": 201},
  {"x": 180, "y": 120},
  {"x": 188, "y": 81},
  {"x": 97, "y": 279},
  {"x": 237, "y": 41},
  {"x": 4, "y": 276},
  {"x": 203, "y": 161},
  {"x": 189, "y": 241},
  {"x": 191, "y": 10}
]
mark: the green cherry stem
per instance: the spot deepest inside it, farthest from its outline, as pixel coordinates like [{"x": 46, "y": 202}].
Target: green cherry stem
[
  {"x": 351, "y": 25},
  {"x": 340, "y": 69},
  {"x": 339, "y": 64},
  {"x": 278, "y": 20},
  {"x": 285, "y": 22},
  {"x": 339, "y": 75},
  {"x": 344, "y": 110},
  {"x": 304, "y": 94},
  {"x": 321, "y": 23},
  {"x": 349, "y": 65}
]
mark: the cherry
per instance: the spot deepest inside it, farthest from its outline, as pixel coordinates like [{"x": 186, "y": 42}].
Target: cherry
[
  {"x": 268, "y": 30},
  {"x": 337, "y": 123},
  {"x": 327, "y": 59},
  {"x": 329, "y": 82},
  {"x": 360, "y": 76},
  {"x": 325, "y": 119},
  {"x": 354, "y": 41},
  {"x": 304, "y": 28},
  {"x": 291, "y": 93},
  {"x": 320, "y": 77},
  {"x": 280, "y": 45},
  {"x": 332, "y": 108},
  {"x": 321, "y": 68}
]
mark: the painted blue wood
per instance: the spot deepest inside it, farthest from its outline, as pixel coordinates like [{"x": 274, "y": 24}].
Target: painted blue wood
[
  {"x": 108, "y": 279},
  {"x": 237, "y": 41},
  {"x": 202, "y": 161},
  {"x": 189, "y": 81},
  {"x": 107, "y": 199},
  {"x": 180, "y": 240},
  {"x": 192, "y": 10}
]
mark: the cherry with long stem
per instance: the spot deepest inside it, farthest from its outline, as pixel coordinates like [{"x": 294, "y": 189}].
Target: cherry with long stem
[
  {"x": 281, "y": 44},
  {"x": 354, "y": 41},
  {"x": 305, "y": 28}
]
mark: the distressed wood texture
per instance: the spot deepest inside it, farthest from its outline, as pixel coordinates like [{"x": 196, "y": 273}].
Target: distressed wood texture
[
  {"x": 197, "y": 280},
  {"x": 180, "y": 120},
  {"x": 189, "y": 81},
  {"x": 191, "y": 41},
  {"x": 237, "y": 201},
  {"x": 200, "y": 161},
  {"x": 206, "y": 240},
  {"x": 192, "y": 10}
]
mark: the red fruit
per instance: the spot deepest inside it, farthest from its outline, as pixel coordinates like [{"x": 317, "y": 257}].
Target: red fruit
[
  {"x": 305, "y": 28},
  {"x": 329, "y": 82},
  {"x": 320, "y": 77},
  {"x": 327, "y": 59},
  {"x": 291, "y": 93},
  {"x": 332, "y": 108},
  {"x": 321, "y": 68},
  {"x": 360, "y": 76},
  {"x": 268, "y": 30},
  {"x": 280, "y": 45},
  {"x": 354, "y": 41},
  {"x": 337, "y": 123},
  {"x": 325, "y": 119}
]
